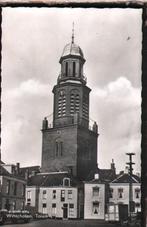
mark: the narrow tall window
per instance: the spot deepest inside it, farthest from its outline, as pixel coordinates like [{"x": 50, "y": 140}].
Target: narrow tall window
[
  {"x": 28, "y": 198},
  {"x": 96, "y": 191},
  {"x": 8, "y": 187},
  {"x": 15, "y": 188},
  {"x": 71, "y": 209},
  {"x": 58, "y": 148},
  {"x": 62, "y": 195},
  {"x": 66, "y": 69},
  {"x": 85, "y": 106},
  {"x": 137, "y": 193},
  {"x": 120, "y": 193},
  {"x": 69, "y": 194},
  {"x": 54, "y": 194},
  {"x": 74, "y": 102},
  {"x": 95, "y": 207},
  {"x": 23, "y": 189},
  {"x": 111, "y": 192},
  {"x": 62, "y": 104},
  {"x": 61, "y": 148},
  {"x": 44, "y": 194},
  {"x": 44, "y": 208},
  {"x": 74, "y": 69},
  {"x": 53, "y": 209}
]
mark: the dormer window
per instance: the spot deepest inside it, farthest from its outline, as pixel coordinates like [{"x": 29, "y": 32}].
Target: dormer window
[{"x": 66, "y": 182}]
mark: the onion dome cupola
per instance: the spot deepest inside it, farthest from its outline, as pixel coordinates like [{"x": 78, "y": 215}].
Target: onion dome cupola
[{"x": 72, "y": 61}]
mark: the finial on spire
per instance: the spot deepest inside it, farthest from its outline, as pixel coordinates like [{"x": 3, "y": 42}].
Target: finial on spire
[{"x": 73, "y": 32}]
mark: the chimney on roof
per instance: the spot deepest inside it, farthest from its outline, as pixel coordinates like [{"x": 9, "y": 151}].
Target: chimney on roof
[
  {"x": 121, "y": 172},
  {"x": 70, "y": 169},
  {"x": 113, "y": 166},
  {"x": 17, "y": 167},
  {"x": 126, "y": 170}
]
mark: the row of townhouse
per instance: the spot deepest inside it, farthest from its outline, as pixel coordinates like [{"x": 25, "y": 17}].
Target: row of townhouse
[
  {"x": 60, "y": 195},
  {"x": 12, "y": 188}
]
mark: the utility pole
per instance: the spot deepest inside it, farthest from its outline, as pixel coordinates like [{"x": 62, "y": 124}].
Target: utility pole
[{"x": 131, "y": 203}]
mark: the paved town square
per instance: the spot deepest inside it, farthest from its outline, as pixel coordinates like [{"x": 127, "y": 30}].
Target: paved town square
[{"x": 65, "y": 223}]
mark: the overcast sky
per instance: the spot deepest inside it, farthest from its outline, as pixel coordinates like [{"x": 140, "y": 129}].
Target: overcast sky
[{"x": 32, "y": 43}]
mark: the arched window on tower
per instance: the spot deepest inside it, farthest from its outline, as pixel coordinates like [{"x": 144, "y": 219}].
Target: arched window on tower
[
  {"x": 74, "y": 69},
  {"x": 74, "y": 102},
  {"x": 66, "y": 68},
  {"x": 58, "y": 148}
]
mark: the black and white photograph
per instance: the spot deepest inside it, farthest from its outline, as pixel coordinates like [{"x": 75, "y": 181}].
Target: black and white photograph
[{"x": 71, "y": 117}]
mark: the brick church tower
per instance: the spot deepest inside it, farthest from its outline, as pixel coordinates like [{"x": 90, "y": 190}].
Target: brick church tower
[{"x": 70, "y": 144}]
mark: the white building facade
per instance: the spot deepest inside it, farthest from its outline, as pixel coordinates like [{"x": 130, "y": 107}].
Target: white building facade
[
  {"x": 94, "y": 200},
  {"x": 54, "y": 194},
  {"x": 58, "y": 202},
  {"x": 119, "y": 191}
]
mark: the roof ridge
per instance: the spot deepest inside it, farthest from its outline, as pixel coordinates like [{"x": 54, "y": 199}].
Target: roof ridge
[
  {"x": 117, "y": 178},
  {"x": 44, "y": 180},
  {"x": 135, "y": 179}
]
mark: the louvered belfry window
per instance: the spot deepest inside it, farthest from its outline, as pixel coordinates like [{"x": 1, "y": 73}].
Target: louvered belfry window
[
  {"x": 61, "y": 104},
  {"x": 74, "y": 102},
  {"x": 85, "y": 107}
]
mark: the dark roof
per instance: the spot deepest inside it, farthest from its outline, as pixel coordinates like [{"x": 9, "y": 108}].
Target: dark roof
[
  {"x": 126, "y": 178},
  {"x": 29, "y": 170},
  {"x": 94, "y": 181},
  {"x": 105, "y": 175},
  {"x": 3, "y": 171},
  {"x": 1, "y": 162},
  {"x": 51, "y": 179}
]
